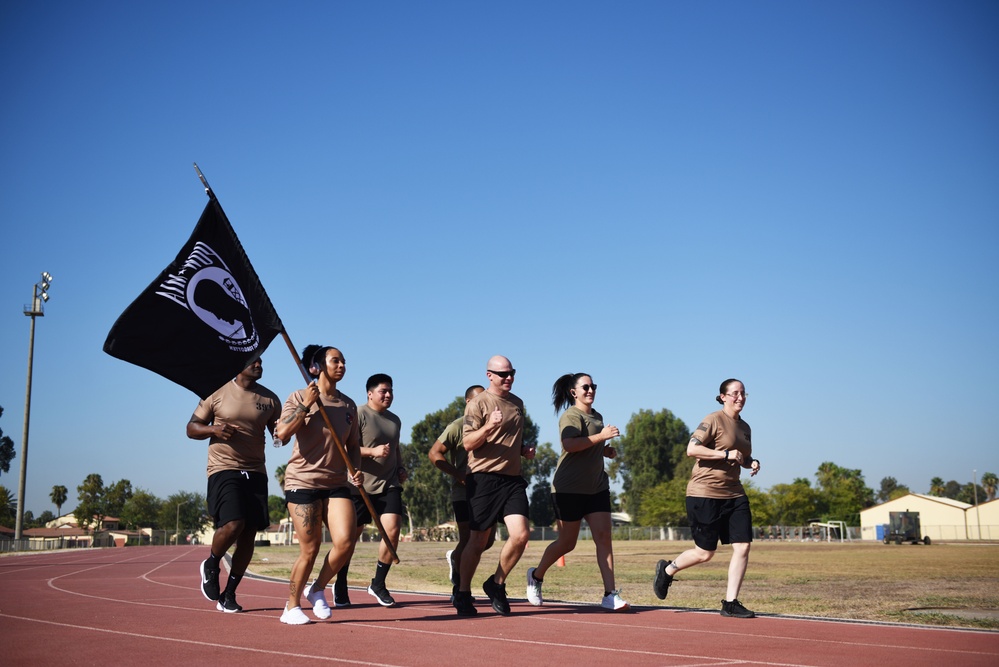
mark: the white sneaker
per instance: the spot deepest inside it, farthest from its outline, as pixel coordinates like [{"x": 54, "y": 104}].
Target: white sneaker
[
  {"x": 294, "y": 616},
  {"x": 450, "y": 566},
  {"x": 533, "y": 588},
  {"x": 613, "y": 602},
  {"x": 319, "y": 606}
]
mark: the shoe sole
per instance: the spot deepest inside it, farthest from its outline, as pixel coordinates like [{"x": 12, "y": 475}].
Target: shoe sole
[
  {"x": 228, "y": 611},
  {"x": 660, "y": 574},
  {"x": 728, "y": 615},
  {"x": 201, "y": 569}
]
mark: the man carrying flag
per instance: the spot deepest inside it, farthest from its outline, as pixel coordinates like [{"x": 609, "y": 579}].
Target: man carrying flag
[{"x": 234, "y": 419}]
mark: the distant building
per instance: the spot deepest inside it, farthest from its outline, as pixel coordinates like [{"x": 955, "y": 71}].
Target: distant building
[{"x": 939, "y": 518}]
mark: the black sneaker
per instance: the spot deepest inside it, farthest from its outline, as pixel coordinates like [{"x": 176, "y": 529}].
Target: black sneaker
[
  {"x": 497, "y": 596},
  {"x": 735, "y": 610},
  {"x": 209, "y": 581},
  {"x": 662, "y": 581},
  {"x": 464, "y": 603},
  {"x": 227, "y": 603},
  {"x": 340, "y": 598},
  {"x": 381, "y": 594}
]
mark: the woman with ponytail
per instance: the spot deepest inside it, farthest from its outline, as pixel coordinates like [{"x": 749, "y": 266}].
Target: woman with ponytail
[{"x": 580, "y": 488}]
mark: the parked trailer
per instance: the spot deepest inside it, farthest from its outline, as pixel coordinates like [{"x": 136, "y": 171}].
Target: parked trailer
[{"x": 904, "y": 527}]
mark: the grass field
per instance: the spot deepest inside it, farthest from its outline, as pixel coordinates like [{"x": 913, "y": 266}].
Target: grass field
[{"x": 867, "y": 581}]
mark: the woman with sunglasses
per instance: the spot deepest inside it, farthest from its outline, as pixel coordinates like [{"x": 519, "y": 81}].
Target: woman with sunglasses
[
  {"x": 580, "y": 488},
  {"x": 717, "y": 506}
]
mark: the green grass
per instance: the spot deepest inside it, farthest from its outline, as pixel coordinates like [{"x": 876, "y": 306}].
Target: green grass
[{"x": 864, "y": 581}]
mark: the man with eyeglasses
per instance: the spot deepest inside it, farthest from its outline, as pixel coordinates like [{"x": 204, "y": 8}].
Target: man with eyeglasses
[
  {"x": 493, "y": 436},
  {"x": 717, "y": 505}
]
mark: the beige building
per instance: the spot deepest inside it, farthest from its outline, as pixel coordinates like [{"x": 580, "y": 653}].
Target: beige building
[{"x": 939, "y": 518}]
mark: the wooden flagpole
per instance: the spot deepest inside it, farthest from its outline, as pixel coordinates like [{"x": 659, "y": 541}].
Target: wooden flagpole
[{"x": 326, "y": 419}]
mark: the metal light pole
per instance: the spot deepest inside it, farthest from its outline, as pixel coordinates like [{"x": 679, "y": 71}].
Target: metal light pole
[
  {"x": 974, "y": 484},
  {"x": 36, "y": 309},
  {"x": 176, "y": 534}
]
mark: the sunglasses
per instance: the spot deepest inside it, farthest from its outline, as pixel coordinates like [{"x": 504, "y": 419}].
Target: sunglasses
[
  {"x": 504, "y": 374},
  {"x": 587, "y": 387}
]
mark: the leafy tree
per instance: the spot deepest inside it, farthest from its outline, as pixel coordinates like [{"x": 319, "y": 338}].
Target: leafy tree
[
  {"x": 7, "y": 452},
  {"x": 989, "y": 483},
  {"x": 970, "y": 493},
  {"x": 891, "y": 489},
  {"x": 542, "y": 467},
  {"x": 59, "y": 496},
  {"x": 141, "y": 510},
  {"x": 44, "y": 518},
  {"x": 794, "y": 504},
  {"x": 427, "y": 491},
  {"x": 952, "y": 490},
  {"x": 115, "y": 497},
  {"x": 277, "y": 508},
  {"x": 937, "y": 487},
  {"x": 843, "y": 492},
  {"x": 90, "y": 510},
  {"x": 664, "y": 504},
  {"x": 653, "y": 446},
  {"x": 8, "y": 507},
  {"x": 192, "y": 510}
]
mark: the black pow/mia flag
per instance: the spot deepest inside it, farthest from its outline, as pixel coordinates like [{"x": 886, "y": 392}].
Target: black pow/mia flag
[{"x": 205, "y": 318}]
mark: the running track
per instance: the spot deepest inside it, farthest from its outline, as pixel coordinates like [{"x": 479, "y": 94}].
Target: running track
[{"x": 144, "y": 606}]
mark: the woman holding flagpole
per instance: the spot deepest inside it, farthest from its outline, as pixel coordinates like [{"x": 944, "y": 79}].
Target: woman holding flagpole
[{"x": 317, "y": 482}]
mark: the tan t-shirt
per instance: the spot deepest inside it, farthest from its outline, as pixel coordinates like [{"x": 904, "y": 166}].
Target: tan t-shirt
[
  {"x": 315, "y": 461},
  {"x": 451, "y": 439},
  {"x": 719, "y": 478},
  {"x": 583, "y": 471},
  {"x": 378, "y": 428},
  {"x": 501, "y": 451},
  {"x": 251, "y": 411}
]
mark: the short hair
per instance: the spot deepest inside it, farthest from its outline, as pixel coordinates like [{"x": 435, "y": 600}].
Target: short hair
[
  {"x": 377, "y": 379},
  {"x": 470, "y": 392}
]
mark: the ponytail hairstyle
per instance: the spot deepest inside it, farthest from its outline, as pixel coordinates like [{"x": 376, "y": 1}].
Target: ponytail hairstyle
[
  {"x": 723, "y": 389},
  {"x": 562, "y": 394},
  {"x": 314, "y": 359}
]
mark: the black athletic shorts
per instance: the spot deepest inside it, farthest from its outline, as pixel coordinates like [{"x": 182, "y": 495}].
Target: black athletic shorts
[
  {"x": 238, "y": 494},
  {"x": 309, "y": 496},
  {"x": 389, "y": 502},
  {"x": 492, "y": 496},
  {"x": 713, "y": 519},
  {"x": 460, "y": 511},
  {"x": 575, "y": 506}
]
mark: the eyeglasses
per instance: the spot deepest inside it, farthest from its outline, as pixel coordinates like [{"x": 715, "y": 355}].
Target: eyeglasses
[
  {"x": 737, "y": 394},
  {"x": 503, "y": 374},
  {"x": 587, "y": 387}
]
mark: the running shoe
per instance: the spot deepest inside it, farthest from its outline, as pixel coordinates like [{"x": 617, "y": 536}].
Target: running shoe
[
  {"x": 662, "y": 581},
  {"x": 451, "y": 569},
  {"x": 340, "y": 598},
  {"x": 613, "y": 602},
  {"x": 533, "y": 588},
  {"x": 734, "y": 609},
  {"x": 227, "y": 603},
  {"x": 318, "y": 599},
  {"x": 464, "y": 604},
  {"x": 209, "y": 581},
  {"x": 294, "y": 616},
  {"x": 497, "y": 596},
  {"x": 381, "y": 594}
]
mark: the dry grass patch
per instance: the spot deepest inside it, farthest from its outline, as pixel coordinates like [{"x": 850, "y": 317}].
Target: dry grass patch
[{"x": 864, "y": 581}]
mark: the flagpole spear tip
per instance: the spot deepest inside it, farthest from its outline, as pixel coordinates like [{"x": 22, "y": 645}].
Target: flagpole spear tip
[{"x": 208, "y": 189}]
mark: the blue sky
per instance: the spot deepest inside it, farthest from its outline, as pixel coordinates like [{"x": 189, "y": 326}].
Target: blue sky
[{"x": 662, "y": 194}]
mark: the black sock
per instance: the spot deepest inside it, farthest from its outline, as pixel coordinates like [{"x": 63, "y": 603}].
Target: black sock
[
  {"x": 538, "y": 579},
  {"x": 212, "y": 561},
  {"x": 230, "y": 586},
  {"x": 341, "y": 579},
  {"x": 381, "y": 570},
  {"x": 606, "y": 593}
]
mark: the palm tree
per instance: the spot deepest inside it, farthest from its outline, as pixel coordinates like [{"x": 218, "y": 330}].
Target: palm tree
[
  {"x": 279, "y": 475},
  {"x": 58, "y": 496},
  {"x": 989, "y": 483},
  {"x": 938, "y": 487}
]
